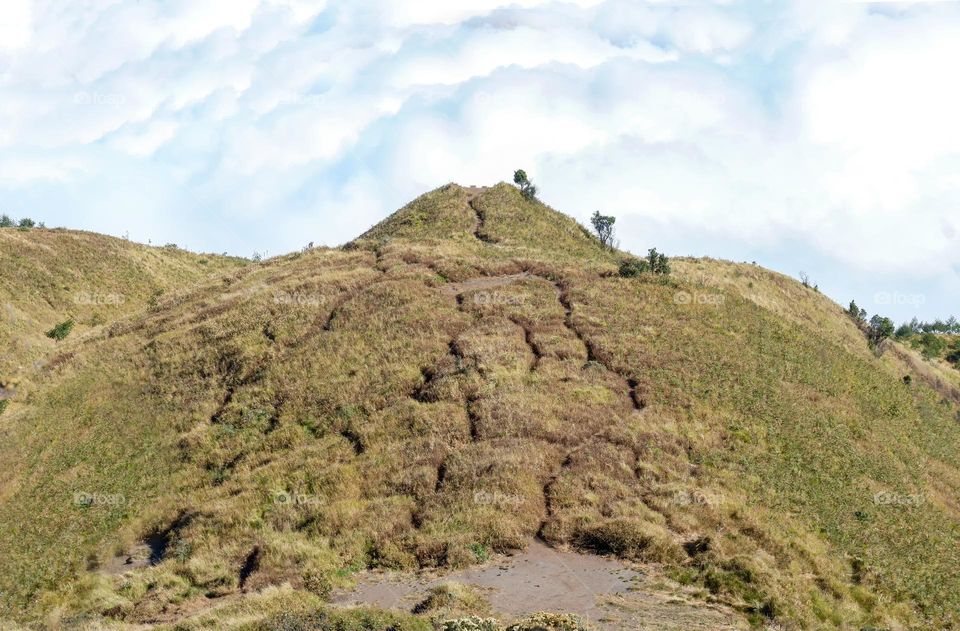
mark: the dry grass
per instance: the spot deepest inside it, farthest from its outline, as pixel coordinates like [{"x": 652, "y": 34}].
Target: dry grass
[
  {"x": 294, "y": 421},
  {"x": 51, "y": 276}
]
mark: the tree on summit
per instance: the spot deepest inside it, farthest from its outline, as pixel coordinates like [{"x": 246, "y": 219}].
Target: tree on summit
[{"x": 527, "y": 188}]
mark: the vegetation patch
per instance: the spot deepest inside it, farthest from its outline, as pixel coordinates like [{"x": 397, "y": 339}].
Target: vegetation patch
[
  {"x": 61, "y": 331},
  {"x": 452, "y": 598}
]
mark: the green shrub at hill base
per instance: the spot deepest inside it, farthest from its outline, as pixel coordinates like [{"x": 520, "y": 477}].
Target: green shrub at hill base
[
  {"x": 61, "y": 331},
  {"x": 471, "y": 623},
  {"x": 347, "y": 620},
  {"x": 540, "y": 621}
]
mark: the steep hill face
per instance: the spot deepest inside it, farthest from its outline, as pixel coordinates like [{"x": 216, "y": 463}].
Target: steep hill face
[
  {"x": 466, "y": 376},
  {"x": 52, "y": 276}
]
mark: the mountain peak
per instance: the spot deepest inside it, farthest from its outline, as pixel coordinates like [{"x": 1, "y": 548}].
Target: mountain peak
[{"x": 496, "y": 216}]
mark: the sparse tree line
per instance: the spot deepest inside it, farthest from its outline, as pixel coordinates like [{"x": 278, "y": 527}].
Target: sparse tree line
[
  {"x": 24, "y": 224},
  {"x": 877, "y": 329},
  {"x": 805, "y": 281},
  {"x": 932, "y": 339},
  {"x": 914, "y": 327},
  {"x": 654, "y": 263}
]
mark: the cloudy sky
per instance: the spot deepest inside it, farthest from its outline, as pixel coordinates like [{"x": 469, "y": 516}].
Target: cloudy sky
[{"x": 806, "y": 137}]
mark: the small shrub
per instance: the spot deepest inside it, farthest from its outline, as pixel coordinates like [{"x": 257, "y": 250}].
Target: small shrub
[
  {"x": 453, "y": 598},
  {"x": 5, "y": 221},
  {"x": 527, "y": 188},
  {"x": 317, "y": 581},
  {"x": 954, "y": 355},
  {"x": 480, "y": 551},
  {"x": 655, "y": 262},
  {"x": 3, "y": 405},
  {"x": 61, "y": 331},
  {"x": 471, "y": 623},
  {"x": 343, "y": 620},
  {"x": 632, "y": 267},
  {"x": 542, "y": 621},
  {"x": 631, "y": 539},
  {"x": 26, "y": 223},
  {"x": 181, "y": 550}
]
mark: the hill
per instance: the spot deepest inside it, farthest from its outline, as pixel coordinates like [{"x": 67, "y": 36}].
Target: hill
[
  {"x": 52, "y": 276},
  {"x": 467, "y": 377}
]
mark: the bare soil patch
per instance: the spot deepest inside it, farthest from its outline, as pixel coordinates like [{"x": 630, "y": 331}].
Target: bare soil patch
[{"x": 605, "y": 592}]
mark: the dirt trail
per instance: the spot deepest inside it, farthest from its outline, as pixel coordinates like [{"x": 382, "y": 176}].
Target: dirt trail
[
  {"x": 604, "y": 591},
  {"x": 478, "y": 231}
]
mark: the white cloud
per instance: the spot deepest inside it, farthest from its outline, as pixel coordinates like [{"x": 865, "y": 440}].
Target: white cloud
[
  {"x": 15, "y": 24},
  {"x": 146, "y": 141},
  {"x": 476, "y": 52},
  {"x": 24, "y": 170},
  {"x": 402, "y": 13},
  {"x": 690, "y": 28}
]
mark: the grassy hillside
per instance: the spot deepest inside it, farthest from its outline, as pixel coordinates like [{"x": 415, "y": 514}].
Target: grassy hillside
[
  {"x": 52, "y": 276},
  {"x": 274, "y": 430}
]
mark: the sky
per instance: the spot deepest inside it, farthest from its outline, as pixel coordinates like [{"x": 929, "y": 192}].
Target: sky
[{"x": 808, "y": 137}]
